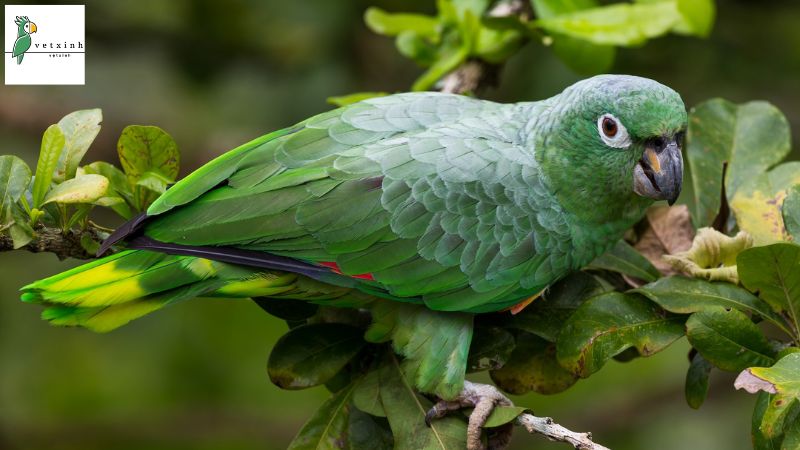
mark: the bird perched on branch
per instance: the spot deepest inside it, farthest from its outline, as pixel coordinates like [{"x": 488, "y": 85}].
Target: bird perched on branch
[
  {"x": 24, "y": 30},
  {"x": 424, "y": 208}
]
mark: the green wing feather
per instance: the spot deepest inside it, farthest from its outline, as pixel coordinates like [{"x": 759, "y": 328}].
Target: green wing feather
[{"x": 437, "y": 183}]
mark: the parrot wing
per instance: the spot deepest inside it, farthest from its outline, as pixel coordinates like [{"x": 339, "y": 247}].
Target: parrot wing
[{"x": 417, "y": 196}]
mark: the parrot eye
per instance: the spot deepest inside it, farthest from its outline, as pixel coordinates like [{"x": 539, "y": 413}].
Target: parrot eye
[
  {"x": 613, "y": 132},
  {"x": 609, "y": 127}
]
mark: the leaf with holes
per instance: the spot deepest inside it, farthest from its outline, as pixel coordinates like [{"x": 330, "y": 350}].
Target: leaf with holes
[
  {"x": 608, "y": 324},
  {"x": 782, "y": 381}
]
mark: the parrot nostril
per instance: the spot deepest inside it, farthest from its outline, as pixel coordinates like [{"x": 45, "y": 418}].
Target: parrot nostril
[{"x": 659, "y": 144}]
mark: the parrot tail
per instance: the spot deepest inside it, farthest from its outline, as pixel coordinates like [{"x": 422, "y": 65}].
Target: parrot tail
[{"x": 112, "y": 291}]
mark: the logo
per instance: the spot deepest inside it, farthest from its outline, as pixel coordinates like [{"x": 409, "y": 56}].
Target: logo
[
  {"x": 44, "y": 44},
  {"x": 24, "y": 30}
]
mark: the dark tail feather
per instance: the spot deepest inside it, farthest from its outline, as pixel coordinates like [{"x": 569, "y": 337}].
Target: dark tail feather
[
  {"x": 126, "y": 229},
  {"x": 231, "y": 255}
]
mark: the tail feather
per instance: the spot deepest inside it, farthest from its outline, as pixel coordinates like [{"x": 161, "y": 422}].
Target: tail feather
[
  {"x": 107, "y": 293},
  {"x": 102, "y": 319}
]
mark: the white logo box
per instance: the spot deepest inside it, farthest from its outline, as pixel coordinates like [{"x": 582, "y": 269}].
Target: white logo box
[{"x": 57, "y": 54}]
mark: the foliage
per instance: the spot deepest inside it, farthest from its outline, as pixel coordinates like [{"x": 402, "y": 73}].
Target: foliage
[
  {"x": 581, "y": 33},
  {"x": 739, "y": 307},
  {"x": 63, "y": 193}
]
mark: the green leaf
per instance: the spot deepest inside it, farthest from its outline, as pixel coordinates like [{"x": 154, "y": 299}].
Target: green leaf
[
  {"x": 79, "y": 129},
  {"x": 13, "y": 218},
  {"x": 783, "y": 381},
  {"x": 490, "y": 349},
  {"x": 578, "y": 54},
  {"x": 502, "y": 415},
  {"x": 327, "y": 428},
  {"x": 546, "y": 315},
  {"x": 546, "y": 9},
  {"x": 310, "y": 355},
  {"x": 389, "y": 24},
  {"x": 533, "y": 367},
  {"x": 757, "y": 204},
  {"x": 145, "y": 149},
  {"x": 621, "y": 24},
  {"x": 349, "y": 99},
  {"x": 367, "y": 395},
  {"x": 583, "y": 57},
  {"x": 366, "y": 432},
  {"x": 689, "y": 295},
  {"x": 417, "y": 48},
  {"x": 760, "y": 441},
  {"x": 448, "y": 62},
  {"x": 82, "y": 189},
  {"x": 696, "y": 387},
  {"x": 15, "y": 176},
  {"x": 435, "y": 344},
  {"x": 751, "y": 137},
  {"x": 791, "y": 441},
  {"x": 610, "y": 323},
  {"x": 52, "y": 143},
  {"x": 774, "y": 271},
  {"x": 625, "y": 259},
  {"x": 791, "y": 212},
  {"x": 698, "y": 17},
  {"x": 154, "y": 181},
  {"x": 118, "y": 186},
  {"x": 90, "y": 245},
  {"x": 728, "y": 339},
  {"x": 406, "y": 413}
]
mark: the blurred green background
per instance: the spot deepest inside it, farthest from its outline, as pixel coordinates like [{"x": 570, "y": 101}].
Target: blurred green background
[{"x": 217, "y": 73}]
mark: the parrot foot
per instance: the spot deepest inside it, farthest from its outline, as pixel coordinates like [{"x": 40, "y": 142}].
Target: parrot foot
[{"x": 484, "y": 398}]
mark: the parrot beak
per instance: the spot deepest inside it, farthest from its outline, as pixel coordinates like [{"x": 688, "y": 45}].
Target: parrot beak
[
  {"x": 33, "y": 27},
  {"x": 659, "y": 174}
]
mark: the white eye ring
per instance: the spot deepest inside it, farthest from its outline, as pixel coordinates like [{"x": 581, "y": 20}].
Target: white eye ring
[{"x": 618, "y": 136}]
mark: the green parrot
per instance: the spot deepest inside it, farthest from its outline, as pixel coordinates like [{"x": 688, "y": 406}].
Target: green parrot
[
  {"x": 24, "y": 29},
  {"x": 424, "y": 208}
]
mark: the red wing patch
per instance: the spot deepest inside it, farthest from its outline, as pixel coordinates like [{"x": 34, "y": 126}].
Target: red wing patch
[{"x": 335, "y": 268}]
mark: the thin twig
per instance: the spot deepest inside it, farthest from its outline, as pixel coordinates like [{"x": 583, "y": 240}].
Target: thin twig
[
  {"x": 476, "y": 75},
  {"x": 555, "y": 432},
  {"x": 53, "y": 240}
]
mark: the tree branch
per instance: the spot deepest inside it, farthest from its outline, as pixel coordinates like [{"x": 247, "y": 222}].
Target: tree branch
[
  {"x": 53, "y": 240},
  {"x": 555, "y": 432},
  {"x": 476, "y": 75}
]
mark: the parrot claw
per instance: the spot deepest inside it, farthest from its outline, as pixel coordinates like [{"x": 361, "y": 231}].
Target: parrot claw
[{"x": 484, "y": 398}]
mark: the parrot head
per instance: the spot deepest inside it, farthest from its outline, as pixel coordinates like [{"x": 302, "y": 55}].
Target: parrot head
[
  {"x": 616, "y": 144},
  {"x": 24, "y": 26}
]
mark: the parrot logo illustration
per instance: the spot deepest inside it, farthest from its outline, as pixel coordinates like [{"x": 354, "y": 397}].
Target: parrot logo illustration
[{"x": 24, "y": 30}]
